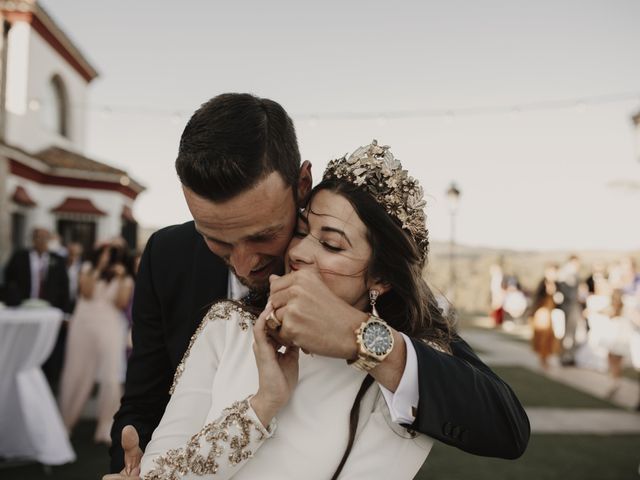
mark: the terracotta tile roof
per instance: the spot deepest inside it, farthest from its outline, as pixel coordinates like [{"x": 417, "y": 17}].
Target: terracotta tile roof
[
  {"x": 57, "y": 157},
  {"x": 22, "y": 197},
  {"x": 59, "y": 162},
  {"x": 78, "y": 205}
]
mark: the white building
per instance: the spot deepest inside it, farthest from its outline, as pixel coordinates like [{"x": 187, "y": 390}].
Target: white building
[{"x": 45, "y": 180}]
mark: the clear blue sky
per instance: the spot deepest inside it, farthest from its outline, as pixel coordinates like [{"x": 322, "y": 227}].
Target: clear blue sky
[{"x": 528, "y": 180}]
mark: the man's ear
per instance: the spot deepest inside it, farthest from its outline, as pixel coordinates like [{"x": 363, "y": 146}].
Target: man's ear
[{"x": 305, "y": 182}]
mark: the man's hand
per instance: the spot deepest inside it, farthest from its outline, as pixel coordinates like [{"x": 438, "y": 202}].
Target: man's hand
[
  {"x": 313, "y": 317},
  {"x": 132, "y": 456},
  {"x": 318, "y": 321}
]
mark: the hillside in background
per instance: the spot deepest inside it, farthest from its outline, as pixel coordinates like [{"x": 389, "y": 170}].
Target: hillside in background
[{"x": 472, "y": 268}]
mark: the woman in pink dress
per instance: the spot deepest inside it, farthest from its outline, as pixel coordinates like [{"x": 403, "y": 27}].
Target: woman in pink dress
[{"x": 97, "y": 340}]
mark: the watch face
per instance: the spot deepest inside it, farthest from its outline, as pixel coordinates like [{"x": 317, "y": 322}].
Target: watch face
[{"x": 377, "y": 338}]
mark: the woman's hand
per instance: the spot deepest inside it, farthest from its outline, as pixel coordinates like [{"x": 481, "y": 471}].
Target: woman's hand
[
  {"x": 277, "y": 372},
  {"x": 103, "y": 260}
]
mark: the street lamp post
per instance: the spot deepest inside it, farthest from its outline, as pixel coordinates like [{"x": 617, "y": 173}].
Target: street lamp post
[{"x": 453, "y": 196}]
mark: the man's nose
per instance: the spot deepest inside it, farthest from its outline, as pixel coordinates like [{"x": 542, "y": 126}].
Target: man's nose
[{"x": 243, "y": 260}]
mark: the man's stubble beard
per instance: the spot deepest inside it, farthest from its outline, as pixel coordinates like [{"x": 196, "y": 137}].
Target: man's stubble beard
[{"x": 260, "y": 289}]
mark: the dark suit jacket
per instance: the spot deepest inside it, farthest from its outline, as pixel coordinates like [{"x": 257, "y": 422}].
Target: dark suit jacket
[
  {"x": 18, "y": 280},
  {"x": 462, "y": 402}
]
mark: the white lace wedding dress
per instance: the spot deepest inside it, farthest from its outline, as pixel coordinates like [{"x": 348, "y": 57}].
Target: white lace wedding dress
[{"x": 210, "y": 431}]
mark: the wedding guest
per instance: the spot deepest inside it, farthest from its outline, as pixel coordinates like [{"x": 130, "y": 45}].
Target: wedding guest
[
  {"x": 569, "y": 284},
  {"x": 97, "y": 339},
  {"x": 497, "y": 291},
  {"x": 37, "y": 273},
  {"x": 630, "y": 277},
  {"x": 544, "y": 342}
]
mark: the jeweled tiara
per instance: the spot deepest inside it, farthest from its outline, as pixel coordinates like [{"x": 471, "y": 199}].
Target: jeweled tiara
[{"x": 374, "y": 168}]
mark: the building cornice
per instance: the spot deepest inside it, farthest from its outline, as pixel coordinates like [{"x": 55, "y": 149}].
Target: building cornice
[
  {"x": 29, "y": 11},
  {"x": 26, "y": 166}
]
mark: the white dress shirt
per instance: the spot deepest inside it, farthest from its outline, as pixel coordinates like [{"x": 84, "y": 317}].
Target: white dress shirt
[
  {"x": 404, "y": 401},
  {"x": 39, "y": 265}
]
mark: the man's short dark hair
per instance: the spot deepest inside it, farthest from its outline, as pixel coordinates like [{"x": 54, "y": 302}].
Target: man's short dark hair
[{"x": 232, "y": 142}]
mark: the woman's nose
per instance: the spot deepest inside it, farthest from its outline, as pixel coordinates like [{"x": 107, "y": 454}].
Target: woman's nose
[{"x": 302, "y": 250}]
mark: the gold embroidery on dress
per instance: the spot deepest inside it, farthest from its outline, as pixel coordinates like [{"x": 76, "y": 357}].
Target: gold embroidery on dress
[
  {"x": 222, "y": 311},
  {"x": 231, "y": 432}
]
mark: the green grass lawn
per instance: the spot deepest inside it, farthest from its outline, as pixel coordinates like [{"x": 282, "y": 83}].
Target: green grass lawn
[
  {"x": 536, "y": 390},
  {"x": 548, "y": 457}
]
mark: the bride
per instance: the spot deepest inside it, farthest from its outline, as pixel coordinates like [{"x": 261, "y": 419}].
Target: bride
[{"x": 281, "y": 413}]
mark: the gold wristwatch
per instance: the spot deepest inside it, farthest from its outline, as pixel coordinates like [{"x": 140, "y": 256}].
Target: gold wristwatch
[{"x": 375, "y": 342}]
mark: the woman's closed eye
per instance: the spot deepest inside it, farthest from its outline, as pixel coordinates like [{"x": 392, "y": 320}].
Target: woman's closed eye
[
  {"x": 302, "y": 231},
  {"x": 332, "y": 248}
]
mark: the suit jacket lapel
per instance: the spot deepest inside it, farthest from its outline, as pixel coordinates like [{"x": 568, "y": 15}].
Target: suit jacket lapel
[{"x": 210, "y": 280}]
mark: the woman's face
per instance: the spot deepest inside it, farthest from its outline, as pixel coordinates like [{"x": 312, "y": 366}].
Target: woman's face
[{"x": 331, "y": 239}]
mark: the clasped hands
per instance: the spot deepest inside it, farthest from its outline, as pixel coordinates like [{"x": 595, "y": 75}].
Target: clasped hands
[{"x": 312, "y": 317}]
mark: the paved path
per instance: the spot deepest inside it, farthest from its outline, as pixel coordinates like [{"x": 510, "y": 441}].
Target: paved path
[
  {"x": 583, "y": 421},
  {"x": 496, "y": 348}
]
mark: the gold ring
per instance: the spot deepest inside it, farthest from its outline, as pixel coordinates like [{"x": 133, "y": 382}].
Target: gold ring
[{"x": 272, "y": 321}]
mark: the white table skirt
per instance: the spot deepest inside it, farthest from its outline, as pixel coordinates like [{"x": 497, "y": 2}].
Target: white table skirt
[{"x": 30, "y": 422}]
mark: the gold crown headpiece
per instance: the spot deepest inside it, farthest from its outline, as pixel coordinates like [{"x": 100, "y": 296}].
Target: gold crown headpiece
[{"x": 374, "y": 168}]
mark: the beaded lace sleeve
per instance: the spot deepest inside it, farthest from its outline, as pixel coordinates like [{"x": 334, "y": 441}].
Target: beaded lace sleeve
[
  {"x": 190, "y": 442},
  {"x": 219, "y": 449}
]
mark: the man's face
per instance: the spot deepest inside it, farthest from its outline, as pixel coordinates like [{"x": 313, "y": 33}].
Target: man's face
[
  {"x": 74, "y": 252},
  {"x": 41, "y": 238},
  {"x": 251, "y": 231}
]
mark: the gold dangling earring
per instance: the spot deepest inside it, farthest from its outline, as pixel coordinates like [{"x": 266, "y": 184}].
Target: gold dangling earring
[{"x": 373, "y": 297}]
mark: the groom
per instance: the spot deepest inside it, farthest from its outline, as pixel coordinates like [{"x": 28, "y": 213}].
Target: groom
[{"x": 243, "y": 182}]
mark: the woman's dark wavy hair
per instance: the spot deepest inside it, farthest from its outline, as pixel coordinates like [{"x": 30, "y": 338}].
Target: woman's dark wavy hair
[{"x": 409, "y": 306}]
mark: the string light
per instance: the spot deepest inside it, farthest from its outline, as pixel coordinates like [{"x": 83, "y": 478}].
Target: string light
[{"x": 449, "y": 115}]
